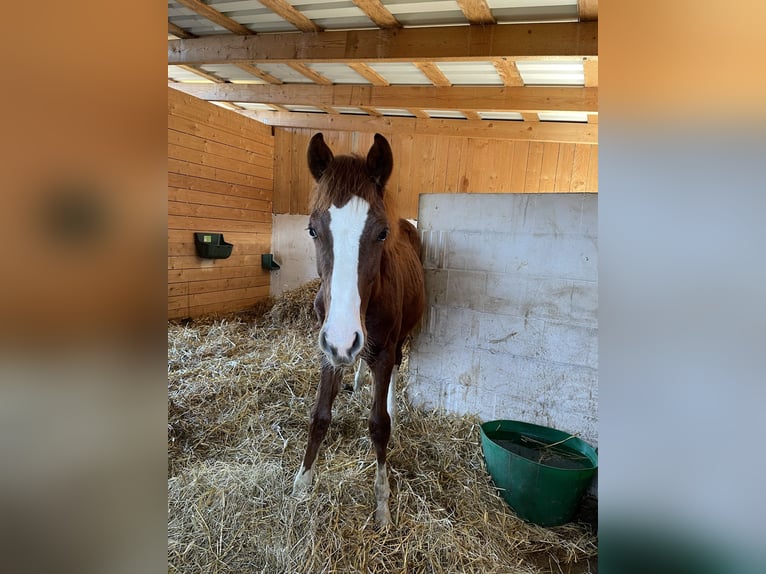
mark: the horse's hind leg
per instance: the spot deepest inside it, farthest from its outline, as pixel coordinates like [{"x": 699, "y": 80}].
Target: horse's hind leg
[{"x": 321, "y": 416}]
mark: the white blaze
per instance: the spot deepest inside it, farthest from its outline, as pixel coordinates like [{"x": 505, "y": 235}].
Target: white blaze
[{"x": 346, "y": 226}]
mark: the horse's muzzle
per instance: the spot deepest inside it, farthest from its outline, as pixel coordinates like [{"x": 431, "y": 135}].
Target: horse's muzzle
[{"x": 341, "y": 354}]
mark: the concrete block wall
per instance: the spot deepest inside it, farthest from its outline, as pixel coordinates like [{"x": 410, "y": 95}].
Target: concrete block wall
[{"x": 511, "y": 328}]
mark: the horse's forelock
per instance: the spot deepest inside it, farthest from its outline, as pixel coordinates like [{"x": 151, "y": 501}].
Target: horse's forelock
[{"x": 344, "y": 178}]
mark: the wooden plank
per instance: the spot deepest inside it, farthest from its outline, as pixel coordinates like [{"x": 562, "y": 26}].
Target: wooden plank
[
  {"x": 189, "y": 107},
  {"x": 220, "y": 200},
  {"x": 178, "y": 31},
  {"x": 287, "y": 11},
  {"x": 520, "y": 99},
  {"x": 216, "y": 225},
  {"x": 218, "y": 187},
  {"x": 580, "y": 167},
  {"x": 217, "y": 174},
  {"x": 222, "y": 162},
  {"x": 433, "y": 73},
  {"x": 422, "y": 173},
  {"x": 456, "y": 164},
  {"x": 312, "y": 75},
  {"x": 217, "y": 308},
  {"x": 282, "y": 170},
  {"x": 182, "y": 236},
  {"x": 519, "y": 166},
  {"x": 587, "y": 10},
  {"x": 564, "y": 168},
  {"x": 187, "y": 248},
  {"x": 569, "y": 132},
  {"x": 378, "y": 13},
  {"x": 508, "y": 72},
  {"x": 177, "y": 262},
  {"x": 199, "y": 299},
  {"x": 592, "y": 181},
  {"x": 201, "y": 144},
  {"x": 590, "y": 69},
  {"x": 212, "y": 272},
  {"x": 201, "y": 73},
  {"x": 441, "y": 156},
  {"x": 534, "y": 167},
  {"x": 476, "y": 11},
  {"x": 218, "y": 212},
  {"x": 403, "y": 44},
  {"x": 215, "y": 16},
  {"x": 548, "y": 167},
  {"x": 215, "y": 285},
  {"x": 258, "y": 73},
  {"x": 368, "y": 74},
  {"x": 500, "y": 156},
  {"x": 213, "y": 133}
]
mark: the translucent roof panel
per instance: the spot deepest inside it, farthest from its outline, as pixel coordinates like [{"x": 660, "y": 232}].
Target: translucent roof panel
[
  {"x": 338, "y": 73},
  {"x": 401, "y": 73},
  {"x": 396, "y": 112},
  {"x": 563, "y": 116},
  {"x": 445, "y": 114},
  {"x": 526, "y": 11},
  {"x": 285, "y": 73},
  {"x": 180, "y": 75},
  {"x": 426, "y": 12},
  {"x": 311, "y": 109},
  {"x": 513, "y": 116},
  {"x": 256, "y": 107},
  {"x": 470, "y": 73},
  {"x": 349, "y": 110},
  {"x": 551, "y": 72},
  {"x": 232, "y": 73}
]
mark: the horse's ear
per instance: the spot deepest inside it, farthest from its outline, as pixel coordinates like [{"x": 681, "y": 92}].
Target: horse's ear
[
  {"x": 319, "y": 156},
  {"x": 380, "y": 161}
]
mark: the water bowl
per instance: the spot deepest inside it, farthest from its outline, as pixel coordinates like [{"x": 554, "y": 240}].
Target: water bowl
[{"x": 541, "y": 472}]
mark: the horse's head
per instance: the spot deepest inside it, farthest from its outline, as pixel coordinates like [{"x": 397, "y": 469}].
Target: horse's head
[{"x": 349, "y": 226}]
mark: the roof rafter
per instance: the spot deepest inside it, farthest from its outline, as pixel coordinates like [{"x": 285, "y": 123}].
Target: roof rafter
[
  {"x": 476, "y": 11},
  {"x": 287, "y": 11},
  {"x": 433, "y": 73},
  {"x": 521, "y": 99},
  {"x": 588, "y": 10},
  {"x": 215, "y": 16},
  {"x": 406, "y": 44},
  {"x": 178, "y": 31},
  {"x": 378, "y": 13}
]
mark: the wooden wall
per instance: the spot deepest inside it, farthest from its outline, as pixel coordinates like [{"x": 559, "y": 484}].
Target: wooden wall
[
  {"x": 220, "y": 179},
  {"x": 439, "y": 164}
]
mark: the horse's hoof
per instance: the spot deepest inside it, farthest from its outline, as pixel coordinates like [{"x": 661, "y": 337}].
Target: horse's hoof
[
  {"x": 302, "y": 482},
  {"x": 383, "y": 517}
]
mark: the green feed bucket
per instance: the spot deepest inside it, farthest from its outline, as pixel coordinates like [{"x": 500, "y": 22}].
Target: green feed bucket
[{"x": 542, "y": 473}]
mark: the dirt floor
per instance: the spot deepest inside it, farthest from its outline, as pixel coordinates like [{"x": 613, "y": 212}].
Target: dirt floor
[{"x": 240, "y": 388}]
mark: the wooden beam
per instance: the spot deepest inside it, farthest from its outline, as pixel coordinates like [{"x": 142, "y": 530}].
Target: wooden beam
[
  {"x": 378, "y": 13},
  {"x": 371, "y": 111},
  {"x": 312, "y": 75},
  {"x": 201, "y": 73},
  {"x": 508, "y": 72},
  {"x": 478, "y": 98},
  {"x": 588, "y": 10},
  {"x": 418, "y": 113},
  {"x": 287, "y": 11},
  {"x": 368, "y": 74},
  {"x": 470, "y": 114},
  {"x": 433, "y": 73},
  {"x": 590, "y": 67},
  {"x": 215, "y": 16},
  {"x": 178, "y": 31},
  {"x": 448, "y": 43},
  {"x": 476, "y": 11},
  {"x": 495, "y": 129},
  {"x": 258, "y": 73}
]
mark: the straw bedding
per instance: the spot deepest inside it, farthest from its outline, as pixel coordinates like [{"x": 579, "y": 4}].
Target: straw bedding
[{"x": 240, "y": 388}]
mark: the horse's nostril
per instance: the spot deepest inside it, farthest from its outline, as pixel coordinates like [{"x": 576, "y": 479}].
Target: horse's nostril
[{"x": 357, "y": 344}]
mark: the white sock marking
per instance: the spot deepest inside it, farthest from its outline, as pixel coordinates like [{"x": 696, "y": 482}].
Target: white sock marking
[
  {"x": 302, "y": 482},
  {"x": 361, "y": 372},
  {"x": 382, "y": 492}
]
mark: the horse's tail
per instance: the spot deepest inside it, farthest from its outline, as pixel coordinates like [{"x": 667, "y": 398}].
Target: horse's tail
[{"x": 408, "y": 230}]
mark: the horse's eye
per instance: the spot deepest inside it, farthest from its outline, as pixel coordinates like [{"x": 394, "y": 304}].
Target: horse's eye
[
  {"x": 312, "y": 232},
  {"x": 382, "y": 235}
]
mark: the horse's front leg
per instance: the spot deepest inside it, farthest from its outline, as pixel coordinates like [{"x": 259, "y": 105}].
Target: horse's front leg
[
  {"x": 380, "y": 432},
  {"x": 321, "y": 416}
]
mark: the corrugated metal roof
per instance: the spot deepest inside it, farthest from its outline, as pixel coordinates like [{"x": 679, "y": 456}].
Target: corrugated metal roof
[
  {"x": 400, "y": 73},
  {"x": 338, "y": 73},
  {"x": 470, "y": 73},
  {"x": 552, "y": 72}
]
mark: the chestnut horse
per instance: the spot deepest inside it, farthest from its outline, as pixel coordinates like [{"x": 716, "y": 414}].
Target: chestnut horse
[{"x": 372, "y": 293}]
